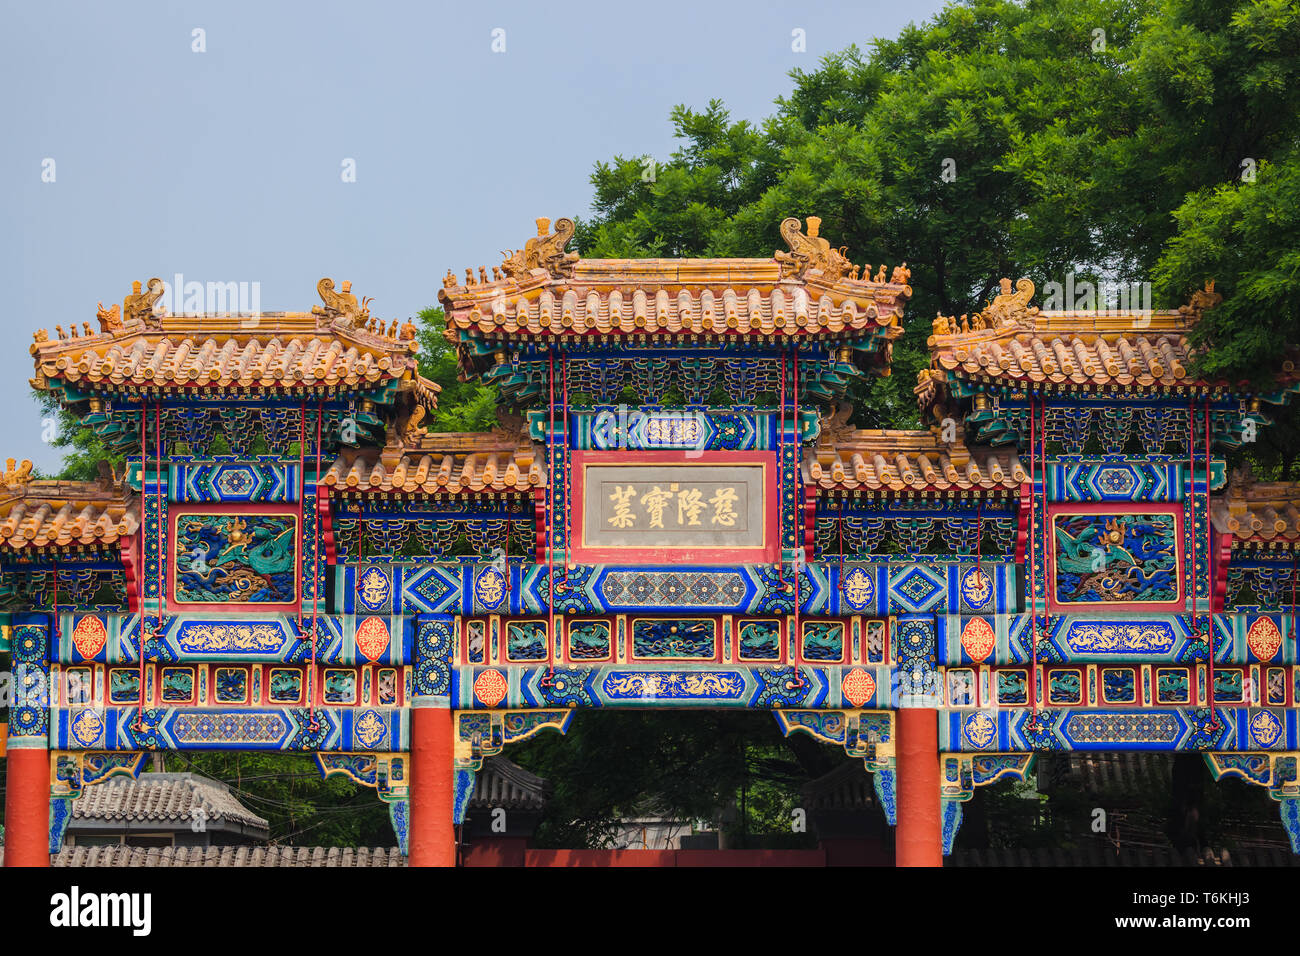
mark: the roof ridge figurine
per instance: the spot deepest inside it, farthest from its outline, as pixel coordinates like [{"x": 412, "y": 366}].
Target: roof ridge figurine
[
  {"x": 813, "y": 252},
  {"x": 545, "y": 251}
]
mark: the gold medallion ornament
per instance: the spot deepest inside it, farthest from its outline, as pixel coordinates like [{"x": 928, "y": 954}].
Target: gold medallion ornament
[
  {"x": 976, "y": 588},
  {"x": 1264, "y": 639},
  {"x": 89, "y": 636},
  {"x": 490, "y": 588},
  {"x": 858, "y": 687},
  {"x": 978, "y": 639},
  {"x": 369, "y": 728},
  {"x": 87, "y": 728},
  {"x": 980, "y": 729},
  {"x": 490, "y": 688},
  {"x": 1265, "y": 728},
  {"x": 373, "y": 588},
  {"x": 858, "y": 589},
  {"x": 372, "y": 638}
]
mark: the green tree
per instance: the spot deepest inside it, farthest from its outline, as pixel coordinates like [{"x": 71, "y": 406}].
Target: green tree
[
  {"x": 462, "y": 406},
  {"x": 302, "y": 808},
  {"x": 1246, "y": 236}
]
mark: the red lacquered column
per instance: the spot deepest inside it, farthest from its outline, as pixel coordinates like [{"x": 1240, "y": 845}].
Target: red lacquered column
[
  {"x": 919, "y": 838},
  {"x": 432, "y": 836},
  {"x": 27, "y": 806}
]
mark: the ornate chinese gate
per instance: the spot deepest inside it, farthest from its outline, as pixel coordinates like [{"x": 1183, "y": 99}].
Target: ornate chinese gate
[{"x": 673, "y": 513}]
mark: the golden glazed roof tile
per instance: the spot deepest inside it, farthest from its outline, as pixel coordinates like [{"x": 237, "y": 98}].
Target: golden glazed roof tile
[
  {"x": 543, "y": 291},
  {"x": 445, "y": 462},
  {"x": 40, "y": 513},
  {"x": 1263, "y": 512},
  {"x": 1012, "y": 341},
  {"x": 896, "y": 460},
  {"x": 337, "y": 345}
]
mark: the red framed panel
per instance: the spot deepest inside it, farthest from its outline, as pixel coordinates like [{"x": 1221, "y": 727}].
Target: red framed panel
[
  {"x": 1058, "y": 514},
  {"x": 1108, "y": 696},
  {"x": 738, "y": 626},
  {"x": 670, "y": 640},
  {"x": 595, "y": 625},
  {"x": 274, "y": 695},
  {"x": 476, "y": 640},
  {"x": 178, "y": 512},
  {"x": 687, "y": 552},
  {"x": 809, "y": 627},
  {"x": 961, "y": 687}
]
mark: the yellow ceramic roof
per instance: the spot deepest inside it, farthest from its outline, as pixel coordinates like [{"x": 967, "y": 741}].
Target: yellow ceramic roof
[
  {"x": 338, "y": 345},
  {"x": 445, "y": 462},
  {"x": 1013, "y": 342},
  {"x": 40, "y": 514},
  {"x": 541, "y": 290},
  {"x": 896, "y": 460}
]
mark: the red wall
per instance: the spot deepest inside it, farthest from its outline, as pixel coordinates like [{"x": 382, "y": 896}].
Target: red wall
[{"x": 513, "y": 853}]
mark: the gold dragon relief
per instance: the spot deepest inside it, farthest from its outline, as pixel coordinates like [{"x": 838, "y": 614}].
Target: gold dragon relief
[
  {"x": 1155, "y": 637},
  {"x": 231, "y": 638},
  {"x": 691, "y": 684}
]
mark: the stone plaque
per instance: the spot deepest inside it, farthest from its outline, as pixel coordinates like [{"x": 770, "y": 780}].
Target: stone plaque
[{"x": 713, "y": 507}]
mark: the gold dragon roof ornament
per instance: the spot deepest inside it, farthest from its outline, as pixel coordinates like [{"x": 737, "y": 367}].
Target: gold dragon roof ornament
[
  {"x": 16, "y": 475},
  {"x": 1008, "y": 308},
  {"x": 341, "y": 305},
  {"x": 140, "y": 307},
  {"x": 812, "y": 252},
  {"x": 1201, "y": 300},
  {"x": 545, "y": 251}
]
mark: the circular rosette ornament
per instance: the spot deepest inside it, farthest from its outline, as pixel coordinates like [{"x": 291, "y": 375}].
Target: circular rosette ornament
[
  {"x": 490, "y": 687},
  {"x": 858, "y": 687}
]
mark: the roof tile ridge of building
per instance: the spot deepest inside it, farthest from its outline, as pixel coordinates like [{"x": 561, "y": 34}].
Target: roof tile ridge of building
[{"x": 507, "y": 769}]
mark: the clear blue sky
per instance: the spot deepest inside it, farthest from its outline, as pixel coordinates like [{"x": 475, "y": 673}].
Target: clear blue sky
[{"x": 225, "y": 165}]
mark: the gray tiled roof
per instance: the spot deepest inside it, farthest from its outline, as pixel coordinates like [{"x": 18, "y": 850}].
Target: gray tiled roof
[
  {"x": 1094, "y": 855},
  {"x": 166, "y": 798},
  {"x": 228, "y": 856},
  {"x": 1123, "y": 773},
  {"x": 847, "y": 787},
  {"x": 502, "y": 783}
]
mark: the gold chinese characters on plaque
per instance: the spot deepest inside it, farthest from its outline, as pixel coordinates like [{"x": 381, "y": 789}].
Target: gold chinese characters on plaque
[{"x": 639, "y": 507}]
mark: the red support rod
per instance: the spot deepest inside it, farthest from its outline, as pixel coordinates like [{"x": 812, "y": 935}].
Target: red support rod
[
  {"x": 143, "y": 572},
  {"x": 315, "y": 568},
  {"x": 1209, "y": 573},
  {"x": 798, "y": 564},
  {"x": 550, "y": 523},
  {"x": 158, "y": 493},
  {"x": 1032, "y": 536},
  {"x": 780, "y": 483},
  {"x": 564, "y": 374},
  {"x": 302, "y": 487},
  {"x": 1046, "y": 522}
]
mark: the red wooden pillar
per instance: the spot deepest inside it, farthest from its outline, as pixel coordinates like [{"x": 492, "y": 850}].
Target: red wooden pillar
[
  {"x": 919, "y": 839},
  {"x": 27, "y": 806},
  {"x": 432, "y": 835}
]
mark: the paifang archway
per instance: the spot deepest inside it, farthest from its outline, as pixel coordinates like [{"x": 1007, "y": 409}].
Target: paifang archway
[{"x": 674, "y": 512}]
